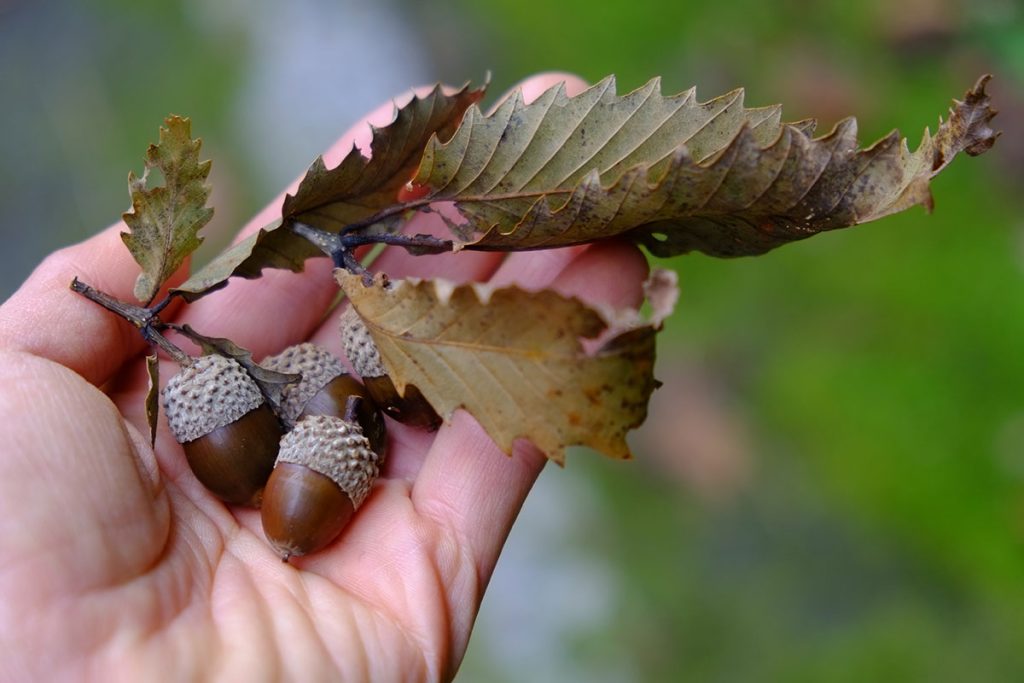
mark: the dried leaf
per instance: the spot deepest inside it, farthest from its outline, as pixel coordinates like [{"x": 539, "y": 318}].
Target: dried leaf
[
  {"x": 359, "y": 187},
  {"x": 570, "y": 376},
  {"x": 153, "y": 395},
  {"x": 165, "y": 220},
  {"x": 676, "y": 174},
  {"x": 269, "y": 247},
  {"x": 331, "y": 199}
]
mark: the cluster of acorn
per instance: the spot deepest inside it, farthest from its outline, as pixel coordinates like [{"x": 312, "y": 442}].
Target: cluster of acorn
[{"x": 308, "y": 465}]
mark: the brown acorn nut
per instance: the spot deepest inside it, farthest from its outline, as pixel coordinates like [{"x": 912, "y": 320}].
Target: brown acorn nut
[
  {"x": 229, "y": 433},
  {"x": 324, "y": 389},
  {"x": 413, "y": 408},
  {"x": 324, "y": 471}
]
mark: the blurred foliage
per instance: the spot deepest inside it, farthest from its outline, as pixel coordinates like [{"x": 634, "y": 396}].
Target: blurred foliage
[
  {"x": 877, "y": 373},
  {"x": 86, "y": 87}
]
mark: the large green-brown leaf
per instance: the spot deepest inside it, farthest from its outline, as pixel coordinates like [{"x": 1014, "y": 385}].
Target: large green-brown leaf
[
  {"x": 676, "y": 174},
  {"x": 354, "y": 190},
  {"x": 164, "y": 221},
  {"x": 571, "y": 375}
]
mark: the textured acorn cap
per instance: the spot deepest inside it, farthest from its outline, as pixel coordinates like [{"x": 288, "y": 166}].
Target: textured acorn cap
[
  {"x": 359, "y": 345},
  {"x": 317, "y": 365},
  {"x": 336, "y": 449},
  {"x": 210, "y": 392}
]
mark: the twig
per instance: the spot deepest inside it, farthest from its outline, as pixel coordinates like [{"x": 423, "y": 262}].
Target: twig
[{"x": 144, "y": 319}]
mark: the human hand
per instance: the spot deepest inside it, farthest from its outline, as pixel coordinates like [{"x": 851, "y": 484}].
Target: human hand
[{"x": 115, "y": 563}]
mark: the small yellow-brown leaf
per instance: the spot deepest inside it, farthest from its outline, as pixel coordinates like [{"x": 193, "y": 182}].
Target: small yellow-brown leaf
[{"x": 164, "y": 221}]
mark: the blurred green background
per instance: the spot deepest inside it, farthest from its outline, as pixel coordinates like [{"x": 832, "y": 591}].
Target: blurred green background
[{"x": 831, "y": 486}]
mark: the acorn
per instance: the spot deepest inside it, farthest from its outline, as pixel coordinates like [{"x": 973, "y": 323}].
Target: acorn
[
  {"x": 325, "y": 469},
  {"x": 229, "y": 433},
  {"x": 324, "y": 389},
  {"x": 413, "y": 408}
]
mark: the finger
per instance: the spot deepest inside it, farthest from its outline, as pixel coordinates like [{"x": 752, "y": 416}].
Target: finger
[
  {"x": 465, "y": 265},
  {"x": 45, "y": 318},
  {"x": 467, "y": 492},
  {"x": 625, "y": 270},
  {"x": 466, "y": 483}
]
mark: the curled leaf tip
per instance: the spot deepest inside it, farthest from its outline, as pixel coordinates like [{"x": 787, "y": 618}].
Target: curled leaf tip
[{"x": 980, "y": 136}]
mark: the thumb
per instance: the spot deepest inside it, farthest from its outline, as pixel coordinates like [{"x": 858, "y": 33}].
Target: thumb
[{"x": 80, "y": 509}]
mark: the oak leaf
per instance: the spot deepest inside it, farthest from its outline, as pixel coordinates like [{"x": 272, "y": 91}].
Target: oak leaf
[
  {"x": 533, "y": 365},
  {"x": 676, "y": 174},
  {"x": 330, "y": 199},
  {"x": 164, "y": 221}
]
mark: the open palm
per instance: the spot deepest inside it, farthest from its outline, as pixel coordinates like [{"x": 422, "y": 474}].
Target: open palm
[{"x": 116, "y": 563}]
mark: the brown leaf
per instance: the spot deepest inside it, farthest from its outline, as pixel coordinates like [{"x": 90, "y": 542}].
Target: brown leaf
[
  {"x": 676, "y": 174},
  {"x": 331, "y": 199},
  {"x": 359, "y": 187},
  {"x": 533, "y": 365},
  {"x": 152, "y": 396}
]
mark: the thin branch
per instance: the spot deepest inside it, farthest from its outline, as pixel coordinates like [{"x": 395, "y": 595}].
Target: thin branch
[
  {"x": 329, "y": 243},
  {"x": 144, "y": 319},
  {"x": 423, "y": 244},
  {"x": 335, "y": 246},
  {"x": 136, "y": 315}
]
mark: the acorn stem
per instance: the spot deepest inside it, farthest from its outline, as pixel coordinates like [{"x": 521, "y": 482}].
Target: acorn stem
[
  {"x": 154, "y": 337},
  {"x": 352, "y": 408}
]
